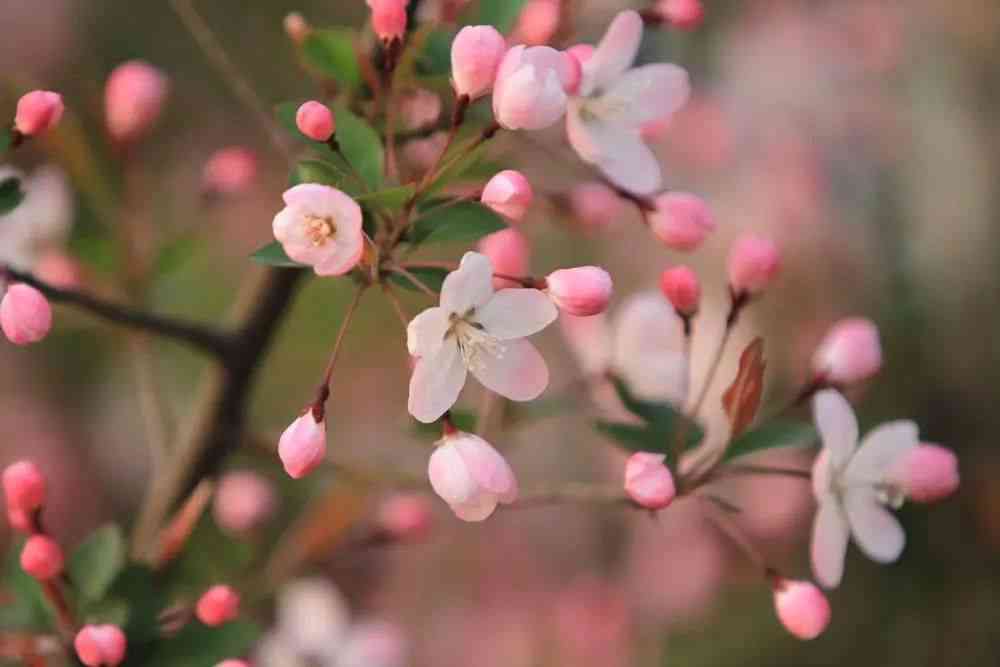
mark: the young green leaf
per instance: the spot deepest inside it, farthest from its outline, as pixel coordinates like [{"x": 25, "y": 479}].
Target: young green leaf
[
  {"x": 94, "y": 564},
  {"x": 198, "y": 645},
  {"x": 11, "y": 195},
  {"x": 274, "y": 255},
  {"x": 332, "y": 53},
  {"x": 432, "y": 277},
  {"x": 501, "y": 14},
  {"x": 777, "y": 433},
  {"x": 634, "y": 437},
  {"x": 317, "y": 171},
  {"x": 467, "y": 221},
  {"x": 435, "y": 59},
  {"x": 361, "y": 145},
  {"x": 392, "y": 199},
  {"x": 663, "y": 425}
]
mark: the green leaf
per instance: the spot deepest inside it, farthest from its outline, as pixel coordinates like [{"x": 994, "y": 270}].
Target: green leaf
[
  {"x": 6, "y": 139},
  {"x": 197, "y": 645},
  {"x": 392, "y": 199},
  {"x": 435, "y": 59},
  {"x": 317, "y": 171},
  {"x": 634, "y": 437},
  {"x": 501, "y": 14},
  {"x": 459, "y": 169},
  {"x": 432, "y": 277},
  {"x": 362, "y": 147},
  {"x": 662, "y": 425},
  {"x": 463, "y": 420},
  {"x": 11, "y": 194},
  {"x": 331, "y": 51},
  {"x": 285, "y": 114},
  {"x": 175, "y": 255},
  {"x": 27, "y": 607},
  {"x": 466, "y": 221},
  {"x": 95, "y": 563},
  {"x": 274, "y": 255},
  {"x": 778, "y": 433}
]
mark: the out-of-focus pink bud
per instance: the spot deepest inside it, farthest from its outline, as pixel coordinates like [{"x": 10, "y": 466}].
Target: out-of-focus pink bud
[
  {"x": 296, "y": 27},
  {"x": 581, "y": 291},
  {"x": 683, "y": 14},
  {"x": 681, "y": 220},
  {"x": 218, "y": 605},
  {"x": 509, "y": 193},
  {"x": 100, "y": 645},
  {"x": 683, "y": 290},
  {"x": 389, "y": 18},
  {"x": 753, "y": 263},
  {"x": 538, "y": 22},
  {"x": 38, "y": 112},
  {"x": 476, "y": 53},
  {"x": 243, "y": 501},
  {"x": 42, "y": 557},
  {"x": 25, "y": 315},
  {"x": 20, "y": 521},
  {"x": 24, "y": 486},
  {"x": 423, "y": 153},
  {"x": 577, "y": 55},
  {"x": 850, "y": 352},
  {"x": 420, "y": 109},
  {"x": 58, "y": 269},
  {"x": 229, "y": 171},
  {"x": 406, "y": 517},
  {"x": 233, "y": 663},
  {"x": 595, "y": 204},
  {"x": 926, "y": 473},
  {"x": 648, "y": 481},
  {"x": 471, "y": 476},
  {"x": 529, "y": 92},
  {"x": 801, "y": 607},
  {"x": 302, "y": 446},
  {"x": 509, "y": 252},
  {"x": 315, "y": 120},
  {"x": 133, "y": 99}
]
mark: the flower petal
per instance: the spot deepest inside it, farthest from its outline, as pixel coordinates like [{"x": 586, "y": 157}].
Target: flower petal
[
  {"x": 644, "y": 94},
  {"x": 486, "y": 465},
  {"x": 648, "y": 349},
  {"x": 618, "y": 151},
  {"x": 838, "y": 427},
  {"x": 829, "y": 542},
  {"x": 516, "y": 313},
  {"x": 479, "y": 508},
  {"x": 469, "y": 286},
  {"x": 876, "y": 531},
  {"x": 426, "y": 332},
  {"x": 614, "y": 54},
  {"x": 880, "y": 450},
  {"x": 436, "y": 383},
  {"x": 449, "y": 475},
  {"x": 519, "y": 373},
  {"x": 345, "y": 253}
]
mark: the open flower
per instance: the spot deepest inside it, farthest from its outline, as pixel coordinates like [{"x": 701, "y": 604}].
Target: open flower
[
  {"x": 604, "y": 121},
  {"x": 480, "y": 331},
  {"x": 471, "y": 476},
  {"x": 529, "y": 91},
  {"x": 320, "y": 226}
]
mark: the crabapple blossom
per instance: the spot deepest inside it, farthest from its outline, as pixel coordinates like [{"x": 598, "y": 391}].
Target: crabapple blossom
[
  {"x": 320, "y": 226},
  {"x": 218, "y": 605},
  {"x": 477, "y": 330},
  {"x": 133, "y": 99},
  {"x": 683, "y": 14},
  {"x": 529, "y": 91},
  {"x": 681, "y": 221},
  {"x": 405, "y": 517},
  {"x": 509, "y": 252},
  {"x": 233, "y": 663},
  {"x": 388, "y": 18},
  {"x": 229, "y": 171},
  {"x": 420, "y": 109},
  {"x": 538, "y": 22},
  {"x": 508, "y": 193},
  {"x": 683, "y": 290},
  {"x": 753, "y": 263},
  {"x": 648, "y": 349},
  {"x": 581, "y": 291},
  {"x": 302, "y": 447},
  {"x": 24, "y": 486},
  {"x": 604, "y": 120},
  {"x": 648, "y": 482},
  {"x": 595, "y": 204},
  {"x": 42, "y": 557},
  {"x": 801, "y": 607},
  {"x": 243, "y": 501},
  {"x": 315, "y": 120},
  {"x": 471, "y": 476},
  {"x": 476, "y": 53},
  {"x": 926, "y": 473},
  {"x": 312, "y": 622},
  {"x": 25, "y": 315},
  {"x": 850, "y": 352},
  {"x": 37, "y": 112},
  {"x": 100, "y": 645}
]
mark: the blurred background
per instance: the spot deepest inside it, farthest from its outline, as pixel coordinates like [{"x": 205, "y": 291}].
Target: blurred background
[{"x": 860, "y": 134}]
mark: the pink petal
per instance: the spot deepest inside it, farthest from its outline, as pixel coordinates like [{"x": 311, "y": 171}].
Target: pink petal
[
  {"x": 520, "y": 374},
  {"x": 880, "y": 450},
  {"x": 876, "y": 531},
  {"x": 646, "y": 94},
  {"x": 450, "y": 476},
  {"x": 829, "y": 543},
  {"x": 436, "y": 383},
  {"x": 426, "y": 332},
  {"x": 487, "y": 466},
  {"x": 838, "y": 427},
  {"x": 614, "y": 54},
  {"x": 478, "y": 509},
  {"x": 470, "y": 286}
]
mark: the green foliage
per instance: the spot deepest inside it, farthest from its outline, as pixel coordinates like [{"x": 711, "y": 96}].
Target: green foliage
[
  {"x": 662, "y": 425},
  {"x": 463, "y": 420},
  {"x": 362, "y": 147},
  {"x": 285, "y": 115},
  {"x": 197, "y": 645},
  {"x": 95, "y": 564},
  {"x": 392, "y": 199},
  {"x": 274, "y": 255},
  {"x": 777, "y": 433},
  {"x": 6, "y": 139},
  {"x": 501, "y": 14},
  {"x": 11, "y": 195},
  {"x": 331, "y": 52},
  {"x": 27, "y": 608},
  {"x": 141, "y": 594},
  {"x": 432, "y": 277},
  {"x": 174, "y": 254},
  {"x": 466, "y": 221},
  {"x": 435, "y": 59},
  {"x": 318, "y": 171}
]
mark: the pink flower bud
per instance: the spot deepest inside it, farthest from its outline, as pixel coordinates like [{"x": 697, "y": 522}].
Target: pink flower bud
[
  {"x": 20, "y": 521},
  {"x": 406, "y": 517},
  {"x": 850, "y": 352},
  {"x": 801, "y": 607},
  {"x": 471, "y": 476},
  {"x": 42, "y": 557},
  {"x": 509, "y": 252},
  {"x": 926, "y": 473},
  {"x": 683, "y": 14},
  {"x": 100, "y": 645},
  {"x": 25, "y": 315},
  {"x": 648, "y": 481},
  {"x": 423, "y": 153},
  {"x": 509, "y": 193},
  {"x": 538, "y": 22},
  {"x": 753, "y": 263},
  {"x": 581, "y": 291},
  {"x": 420, "y": 109},
  {"x": 233, "y": 663},
  {"x": 476, "y": 53},
  {"x": 229, "y": 171},
  {"x": 682, "y": 221},
  {"x": 243, "y": 501},
  {"x": 595, "y": 204},
  {"x": 296, "y": 27},
  {"x": 38, "y": 112},
  {"x": 302, "y": 446},
  {"x": 389, "y": 18},
  {"x": 218, "y": 605},
  {"x": 315, "y": 120},
  {"x": 133, "y": 99},
  {"x": 683, "y": 290},
  {"x": 529, "y": 92},
  {"x": 24, "y": 486},
  {"x": 58, "y": 269},
  {"x": 577, "y": 55}
]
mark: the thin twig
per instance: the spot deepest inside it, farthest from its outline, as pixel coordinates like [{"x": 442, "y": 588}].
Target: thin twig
[
  {"x": 344, "y": 326},
  {"x": 419, "y": 284},
  {"x": 390, "y": 293}
]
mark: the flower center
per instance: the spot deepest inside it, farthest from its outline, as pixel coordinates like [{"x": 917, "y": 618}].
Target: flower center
[
  {"x": 473, "y": 340},
  {"x": 319, "y": 229}
]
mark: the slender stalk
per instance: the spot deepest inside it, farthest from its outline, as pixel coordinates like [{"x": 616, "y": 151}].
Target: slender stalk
[
  {"x": 572, "y": 492},
  {"x": 750, "y": 469},
  {"x": 390, "y": 294},
  {"x": 339, "y": 342},
  {"x": 725, "y": 523},
  {"x": 419, "y": 284}
]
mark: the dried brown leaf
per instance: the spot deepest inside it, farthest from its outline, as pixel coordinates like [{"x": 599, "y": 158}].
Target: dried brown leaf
[{"x": 742, "y": 399}]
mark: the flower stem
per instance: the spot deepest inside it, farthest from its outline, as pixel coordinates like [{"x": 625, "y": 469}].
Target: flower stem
[{"x": 419, "y": 284}]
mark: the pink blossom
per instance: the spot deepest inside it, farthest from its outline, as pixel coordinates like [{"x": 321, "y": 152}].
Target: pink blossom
[
  {"x": 802, "y": 608},
  {"x": 59, "y": 269},
  {"x": 926, "y": 473},
  {"x": 509, "y": 193},
  {"x": 302, "y": 447},
  {"x": 529, "y": 91},
  {"x": 24, "y": 486},
  {"x": 388, "y": 18},
  {"x": 406, "y": 517},
  {"x": 581, "y": 291},
  {"x": 471, "y": 476},
  {"x": 229, "y": 171},
  {"x": 315, "y": 120},
  {"x": 243, "y": 501},
  {"x": 296, "y": 27},
  {"x": 683, "y": 14},
  {"x": 648, "y": 481},
  {"x": 683, "y": 290},
  {"x": 681, "y": 221},
  {"x": 42, "y": 557},
  {"x": 578, "y": 55},
  {"x": 100, "y": 645},
  {"x": 420, "y": 109},
  {"x": 218, "y": 605},
  {"x": 320, "y": 226},
  {"x": 38, "y": 112},
  {"x": 20, "y": 521},
  {"x": 753, "y": 263},
  {"x": 133, "y": 99},
  {"x": 423, "y": 153},
  {"x": 538, "y": 22},
  {"x": 25, "y": 315},
  {"x": 595, "y": 204},
  {"x": 850, "y": 352},
  {"x": 233, "y": 663},
  {"x": 509, "y": 252},
  {"x": 476, "y": 53}
]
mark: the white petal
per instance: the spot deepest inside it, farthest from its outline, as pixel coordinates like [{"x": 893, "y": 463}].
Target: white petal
[
  {"x": 648, "y": 349},
  {"x": 345, "y": 252},
  {"x": 876, "y": 531},
  {"x": 618, "y": 151},
  {"x": 829, "y": 542},
  {"x": 644, "y": 94},
  {"x": 470, "y": 286},
  {"x": 516, "y": 313},
  {"x": 478, "y": 509},
  {"x": 880, "y": 449},
  {"x": 436, "y": 383},
  {"x": 519, "y": 373},
  {"x": 838, "y": 427},
  {"x": 426, "y": 331},
  {"x": 450, "y": 476},
  {"x": 614, "y": 54}
]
